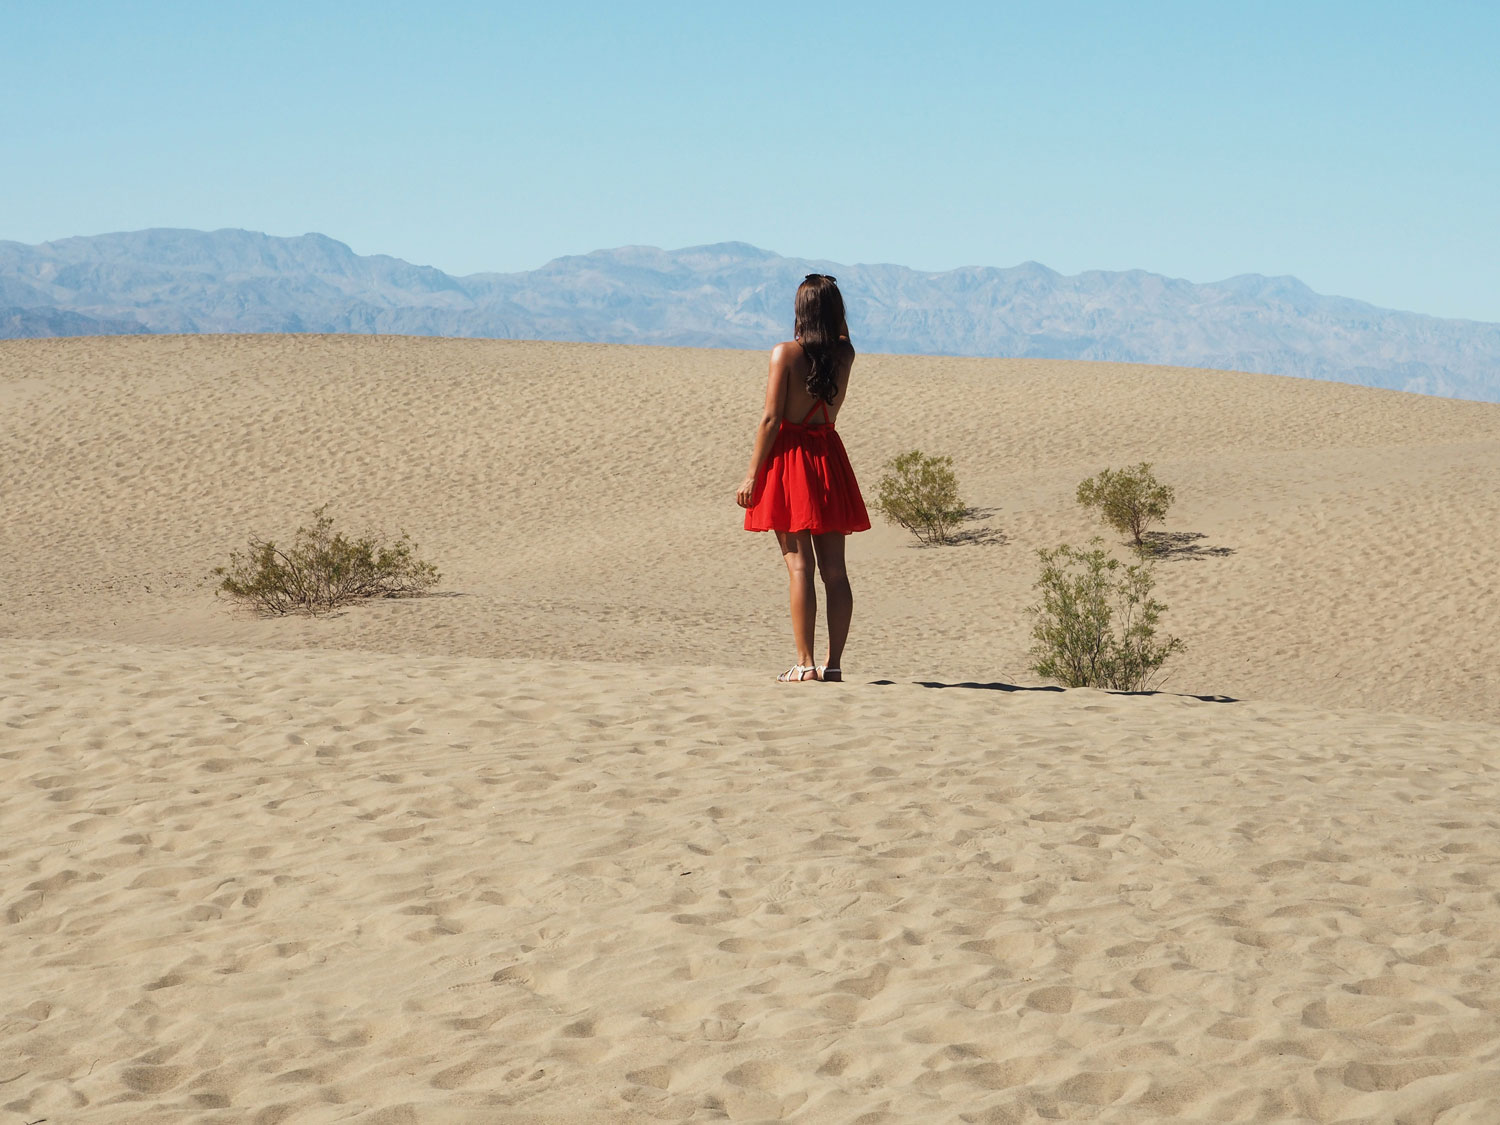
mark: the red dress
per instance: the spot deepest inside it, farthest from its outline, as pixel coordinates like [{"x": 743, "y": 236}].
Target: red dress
[{"x": 807, "y": 483}]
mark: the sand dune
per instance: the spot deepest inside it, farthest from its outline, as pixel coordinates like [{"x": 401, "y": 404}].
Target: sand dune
[
  {"x": 552, "y": 847},
  {"x": 579, "y": 499}
]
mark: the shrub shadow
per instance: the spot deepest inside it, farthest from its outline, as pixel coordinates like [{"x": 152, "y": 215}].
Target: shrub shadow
[
  {"x": 1181, "y": 545},
  {"x": 973, "y": 535},
  {"x": 362, "y": 603},
  {"x": 1182, "y": 695}
]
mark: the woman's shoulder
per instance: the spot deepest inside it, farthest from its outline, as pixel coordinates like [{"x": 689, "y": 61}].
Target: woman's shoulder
[
  {"x": 789, "y": 356},
  {"x": 791, "y": 349}
]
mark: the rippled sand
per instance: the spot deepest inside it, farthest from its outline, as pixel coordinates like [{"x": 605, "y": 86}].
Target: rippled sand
[{"x": 552, "y": 847}]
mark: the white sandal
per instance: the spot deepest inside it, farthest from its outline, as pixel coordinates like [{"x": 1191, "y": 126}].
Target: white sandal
[
  {"x": 838, "y": 675},
  {"x": 796, "y": 673}
]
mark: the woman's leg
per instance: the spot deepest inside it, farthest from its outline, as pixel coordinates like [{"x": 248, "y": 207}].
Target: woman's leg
[
  {"x": 797, "y": 551},
  {"x": 840, "y": 598}
]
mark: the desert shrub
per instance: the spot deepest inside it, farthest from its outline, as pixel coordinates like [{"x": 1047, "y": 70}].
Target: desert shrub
[
  {"x": 1096, "y": 623},
  {"x": 1129, "y": 500},
  {"x": 323, "y": 569},
  {"x": 920, "y": 493}
]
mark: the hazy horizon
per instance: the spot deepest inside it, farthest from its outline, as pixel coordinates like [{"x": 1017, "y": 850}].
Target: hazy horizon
[{"x": 733, "y": 295}]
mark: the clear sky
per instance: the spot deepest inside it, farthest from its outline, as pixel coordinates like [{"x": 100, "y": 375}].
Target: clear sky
[{"x": 1353, "y": 145}]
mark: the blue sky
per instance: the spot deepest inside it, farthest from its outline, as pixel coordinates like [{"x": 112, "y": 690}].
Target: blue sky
[{"x": 1356, "y": 146}]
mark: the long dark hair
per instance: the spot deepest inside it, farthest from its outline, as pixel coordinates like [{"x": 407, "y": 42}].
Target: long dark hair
[{"x": 820, "y": 322}]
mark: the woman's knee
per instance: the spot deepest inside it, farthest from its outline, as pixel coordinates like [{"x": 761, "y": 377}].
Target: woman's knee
[
  {"x": 833, "y": 574},
  {"x": 799, "y": 567}
]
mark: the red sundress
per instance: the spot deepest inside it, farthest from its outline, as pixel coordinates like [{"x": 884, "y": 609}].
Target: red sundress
[{"x": 807, "y": 483}]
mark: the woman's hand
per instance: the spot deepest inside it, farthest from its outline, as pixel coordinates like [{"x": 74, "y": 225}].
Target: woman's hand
[{"x": 745, "y": 495}]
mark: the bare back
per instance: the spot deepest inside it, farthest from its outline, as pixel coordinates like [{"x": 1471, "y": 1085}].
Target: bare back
[{"x": 799, "y": 402}]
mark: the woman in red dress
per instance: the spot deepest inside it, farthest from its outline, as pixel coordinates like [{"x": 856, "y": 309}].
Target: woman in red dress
[{"x": 800, "y": 484}]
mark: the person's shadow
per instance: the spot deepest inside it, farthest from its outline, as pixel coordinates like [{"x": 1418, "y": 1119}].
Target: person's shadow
[{"x": 999, "y": 685}]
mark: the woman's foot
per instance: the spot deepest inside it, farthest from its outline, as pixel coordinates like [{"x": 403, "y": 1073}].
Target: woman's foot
[
  {"x": 797, "y": 673},
  {"x": 830, "y": 675}
]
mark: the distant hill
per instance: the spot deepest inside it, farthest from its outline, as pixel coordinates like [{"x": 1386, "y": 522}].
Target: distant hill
[
  {"x": 734, "y": 295},
  {"x": 20, "y": 324}
]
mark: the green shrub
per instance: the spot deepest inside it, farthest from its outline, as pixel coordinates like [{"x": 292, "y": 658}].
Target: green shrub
[
  {"x": 1130, "y": 500},
  {"x": 323, "y": 570},
  {"x": 1096, "y": 624},
  {"x": 920, "y": 493}
]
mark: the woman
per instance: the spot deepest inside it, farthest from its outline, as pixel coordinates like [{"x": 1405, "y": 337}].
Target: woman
[{"x": 800, "y": 484}]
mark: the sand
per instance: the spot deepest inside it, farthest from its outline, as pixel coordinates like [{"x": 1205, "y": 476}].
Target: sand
[{"x": 551, "y": 846}]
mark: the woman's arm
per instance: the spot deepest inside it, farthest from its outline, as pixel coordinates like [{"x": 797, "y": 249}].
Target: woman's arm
[{"x": 770, "y": 421}]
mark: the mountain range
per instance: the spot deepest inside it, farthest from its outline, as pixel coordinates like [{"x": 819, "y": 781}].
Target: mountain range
[{"x": 733, "y": 295}]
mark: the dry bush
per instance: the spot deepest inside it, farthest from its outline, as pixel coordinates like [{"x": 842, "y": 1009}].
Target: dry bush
[
  {"x": 1130, "y": 500},
  {"x": 322, "y": 570},
  {"x": 1096, "y": 623},
  {"x": 920, "y": 493}
]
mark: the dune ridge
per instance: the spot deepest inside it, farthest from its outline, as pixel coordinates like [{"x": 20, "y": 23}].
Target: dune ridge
[{"x": 551, "y": 846}]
